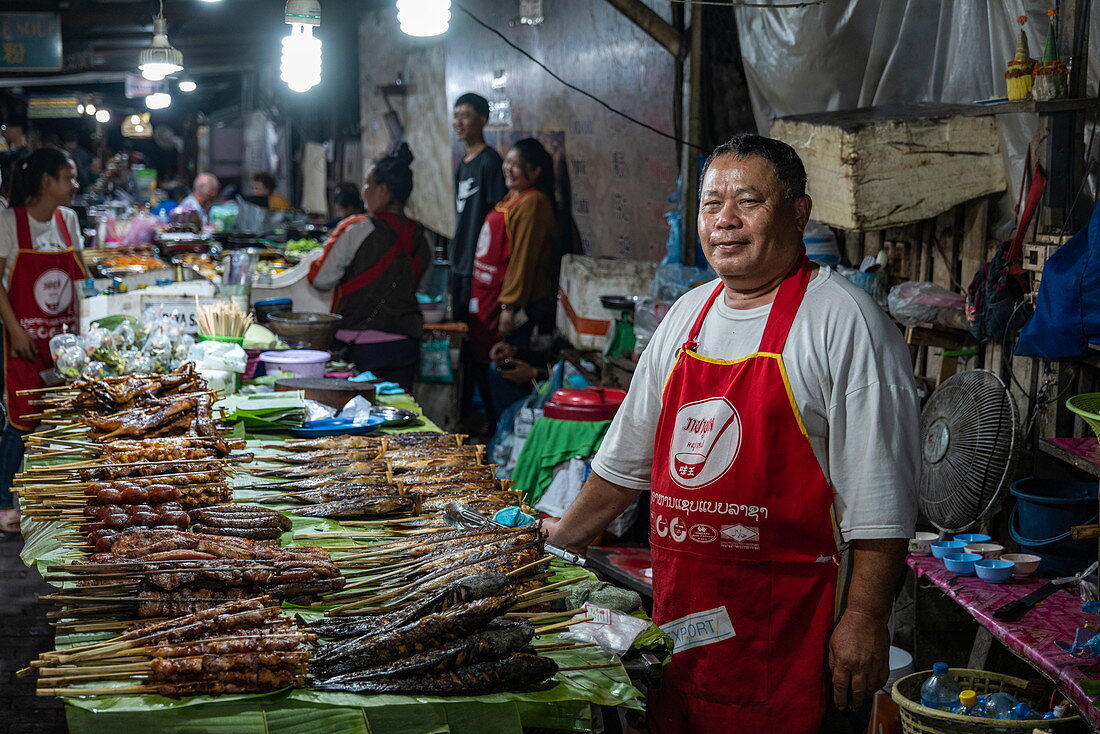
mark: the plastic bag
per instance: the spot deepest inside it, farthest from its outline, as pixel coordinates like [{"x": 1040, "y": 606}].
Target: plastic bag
[
  {"x": 218, "y": 356},
  {"x": 914, "y": 303},
  {"x": 613, "y": 631},
  {"x": 358, "y": 410},
  {"x": 435, "y": 362}
]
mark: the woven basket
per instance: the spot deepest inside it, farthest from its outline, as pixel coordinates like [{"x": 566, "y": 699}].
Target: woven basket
[
  {"x": 917, "y": 719},
  {"x": 1087, "y": 405}
]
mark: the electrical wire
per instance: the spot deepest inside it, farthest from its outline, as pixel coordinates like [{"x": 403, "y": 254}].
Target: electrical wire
[
  {"x": 574, "y": 87},
  {"x": 736, "y": 4}
]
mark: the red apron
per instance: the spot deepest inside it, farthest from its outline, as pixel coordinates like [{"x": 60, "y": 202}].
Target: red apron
[
  {"x": 494, "y": 250},
  {"x": 43, "y": 296},
  {"x": 405, "y": 245},
  {"x": 745, "y": 562}
]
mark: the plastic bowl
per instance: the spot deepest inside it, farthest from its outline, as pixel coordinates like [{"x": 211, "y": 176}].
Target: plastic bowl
[
  {"x": 305, "y": 330},
  {"x": 919, "y": 544},
  {"x": 941, "y": 548},
  {"x": 969, "y": 538},
  {"x": 961, "y": 564},
  {"x": 1026, "y": 564},
  {"x": 302, "y": 362},
  {"x": 995, "y": 571},
  {"x": 988, "y": 551}
]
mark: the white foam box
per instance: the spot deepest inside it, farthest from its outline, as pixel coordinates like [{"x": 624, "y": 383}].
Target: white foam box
[
  {"x": 882, "y": 167},
  {"x": 582, "y": 319}
]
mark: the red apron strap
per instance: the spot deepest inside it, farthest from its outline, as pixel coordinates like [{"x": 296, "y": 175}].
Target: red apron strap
[
  {"x": 693, "y": 335},
  {"x": 403, "y": 245},
  {"x": 62, "y": 229},
  {"x": 785, "y": 306},
  {"x": 22, "y": 229}
]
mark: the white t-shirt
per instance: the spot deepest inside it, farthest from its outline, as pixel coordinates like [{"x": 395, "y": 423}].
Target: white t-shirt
[
  {"x": 852, "y": 379},
  {"x": 44, "y": 235}
]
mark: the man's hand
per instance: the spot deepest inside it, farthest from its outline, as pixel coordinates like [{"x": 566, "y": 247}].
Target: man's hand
[
  {"x": 521, "y": 373},
  {"x": 859, "y": 658},
  {"x": 22, "y": 344},
  {"x": 502, "y": 350},
  {"x": 507, "y": 322}
]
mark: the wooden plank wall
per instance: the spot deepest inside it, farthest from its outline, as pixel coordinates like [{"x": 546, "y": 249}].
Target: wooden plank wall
[{"x": 948, "y": 251}]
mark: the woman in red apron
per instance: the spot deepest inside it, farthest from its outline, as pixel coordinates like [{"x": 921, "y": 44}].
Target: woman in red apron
[
  {"x": 374, "y": 276},
  {"x": 39, "y": 298},
  {"x": 509, "y": 273},
  {"x": 754, "y": 634}
]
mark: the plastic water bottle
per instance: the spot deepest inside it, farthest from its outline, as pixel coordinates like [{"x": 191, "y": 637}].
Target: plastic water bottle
[
  {"x": 968, "y": 701},
  {"x": 1023, "y": 712},
  {"x": 940, "y": 691},
  {"x": 998, "y": 705}
]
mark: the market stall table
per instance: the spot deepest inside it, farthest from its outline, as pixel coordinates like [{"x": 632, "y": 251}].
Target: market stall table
[
  {"x": 565, "y": 705},
  {"x": 1033, "y": 637}
]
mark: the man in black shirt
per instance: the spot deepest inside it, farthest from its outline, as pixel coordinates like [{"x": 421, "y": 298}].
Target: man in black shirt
[{"x": 479, "y": 185}]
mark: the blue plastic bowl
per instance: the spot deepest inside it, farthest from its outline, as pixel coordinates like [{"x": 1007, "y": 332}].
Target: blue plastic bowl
[
  {"x": 941, "y": 548},
  {"x": 961, "y": 564},
  {"x": 994, "y": 571},
  {"x": 969, "y": 538}
]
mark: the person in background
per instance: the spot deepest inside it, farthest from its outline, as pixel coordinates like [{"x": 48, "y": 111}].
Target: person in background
[
  {"x": 479, "y": 185},
  {"x": 263, "y": 184},
  {"x": 39, "y": 236},
  {"x": 346, "y": 202},
  {"x": 510, "y": 287},
  {"x": 202, "y": 196},
  {"x": 373, "y": 263},
  {"x": 81, "y": 157}
]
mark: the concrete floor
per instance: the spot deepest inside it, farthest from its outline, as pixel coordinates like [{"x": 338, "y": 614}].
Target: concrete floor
[{"x": 24, "y": 634}]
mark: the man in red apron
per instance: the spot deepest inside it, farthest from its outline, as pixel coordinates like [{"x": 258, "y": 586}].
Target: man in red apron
[
  {"x": 42, "y": 293},
  {"x": 744, "y": 544}
]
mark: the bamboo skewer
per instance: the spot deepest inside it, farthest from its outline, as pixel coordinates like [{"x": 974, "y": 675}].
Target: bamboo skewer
[{"x": 560, "y": 625}]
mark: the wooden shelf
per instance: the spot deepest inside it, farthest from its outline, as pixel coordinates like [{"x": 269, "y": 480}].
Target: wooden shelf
[
  {"x": 1085, "y": 457},
  {"x": 863, "y": 116}
]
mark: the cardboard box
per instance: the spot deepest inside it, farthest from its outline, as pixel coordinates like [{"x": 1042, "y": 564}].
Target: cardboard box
[{"x": 581, "y": 318}]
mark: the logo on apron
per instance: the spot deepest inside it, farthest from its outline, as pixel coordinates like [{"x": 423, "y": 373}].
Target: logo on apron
[
  {"x": 705, "y": 442},
  {"x": 53, "y": 291}
]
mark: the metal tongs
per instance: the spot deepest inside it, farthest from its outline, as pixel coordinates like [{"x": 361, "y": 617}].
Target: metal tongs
[
  {"x": 1015, "y": 609},
  {"x": 458, "y": 515}
]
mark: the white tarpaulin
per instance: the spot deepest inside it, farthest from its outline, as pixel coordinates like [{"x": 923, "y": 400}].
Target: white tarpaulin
[{"x": 844, "y": 55}]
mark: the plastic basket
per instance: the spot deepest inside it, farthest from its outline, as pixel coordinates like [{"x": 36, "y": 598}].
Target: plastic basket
[
  {"x": 1087, "y": 405},
  {"x": 917, "y": 719}
]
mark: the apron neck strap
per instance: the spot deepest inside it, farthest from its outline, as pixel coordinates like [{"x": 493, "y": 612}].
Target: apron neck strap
[
  {"x": 784, "y": 307},
  {"x": 63, "y": 230},
  {"x": 22, "y": 229}
]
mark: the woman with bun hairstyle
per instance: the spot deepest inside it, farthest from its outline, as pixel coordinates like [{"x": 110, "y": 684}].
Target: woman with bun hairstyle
[
  {"x": 373, "y": 263},
  {"x": 39, "y": 236}
]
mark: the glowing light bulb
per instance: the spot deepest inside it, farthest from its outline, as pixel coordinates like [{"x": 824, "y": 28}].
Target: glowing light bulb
[
  {"x": 187, "y": 85},
  {"x": 301, "y": 62},
  {"x": 102, "y": 116},
  {"x": 158, "y": 101},
  {"x": 80, "y": 109},
  {"x": 89, "y": 109},
  {"x": 139, "y": 128},
  {"x": 424, "y": 18},
  {"x": 135, "y": 119}
]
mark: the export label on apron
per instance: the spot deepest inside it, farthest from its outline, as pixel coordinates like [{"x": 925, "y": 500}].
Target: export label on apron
[
  {"x": 744, "y": 572},
  {"x": 42, "y": 294}
]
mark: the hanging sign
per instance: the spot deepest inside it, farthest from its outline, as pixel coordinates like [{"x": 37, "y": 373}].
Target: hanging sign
[
  {"x": 52, "y": 106},
  {"x": 138, "y": 86},
  {"x": 30, "y": 42}
]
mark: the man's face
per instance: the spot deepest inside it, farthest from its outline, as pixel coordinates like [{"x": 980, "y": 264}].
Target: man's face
[
  {"x": 467, "y": 123},
  {"x": 749, "y": 229}
]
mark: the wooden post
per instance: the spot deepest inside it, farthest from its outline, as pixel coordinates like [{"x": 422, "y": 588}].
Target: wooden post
[
  {"x": 695, "y": 134},
  {"x": 654, "y": 25}
]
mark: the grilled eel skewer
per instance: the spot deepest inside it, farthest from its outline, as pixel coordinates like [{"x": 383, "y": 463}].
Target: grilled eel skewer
[{"x": 516, "y": 671}]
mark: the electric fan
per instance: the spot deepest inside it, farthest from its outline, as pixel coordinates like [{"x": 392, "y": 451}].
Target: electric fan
[{"x": 969, "y": 437}]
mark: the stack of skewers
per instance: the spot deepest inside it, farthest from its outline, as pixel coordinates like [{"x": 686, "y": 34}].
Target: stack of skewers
[{"x": 243, "y": 646}]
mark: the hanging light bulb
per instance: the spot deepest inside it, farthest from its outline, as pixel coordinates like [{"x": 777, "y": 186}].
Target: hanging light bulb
[
  {"x": 187, "y": 86},
  {"x": 135, "y": 119},
  {"x": 160, "y": 59},
  {"x": 80, "y": 109},
  {"x": 300, "y": 67},
  {"x": 158, "y": 101},
  {"x": 102, "y": 116},
  {"x": 424, "y": 17},
  {"x": 89, "y": 109}
]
